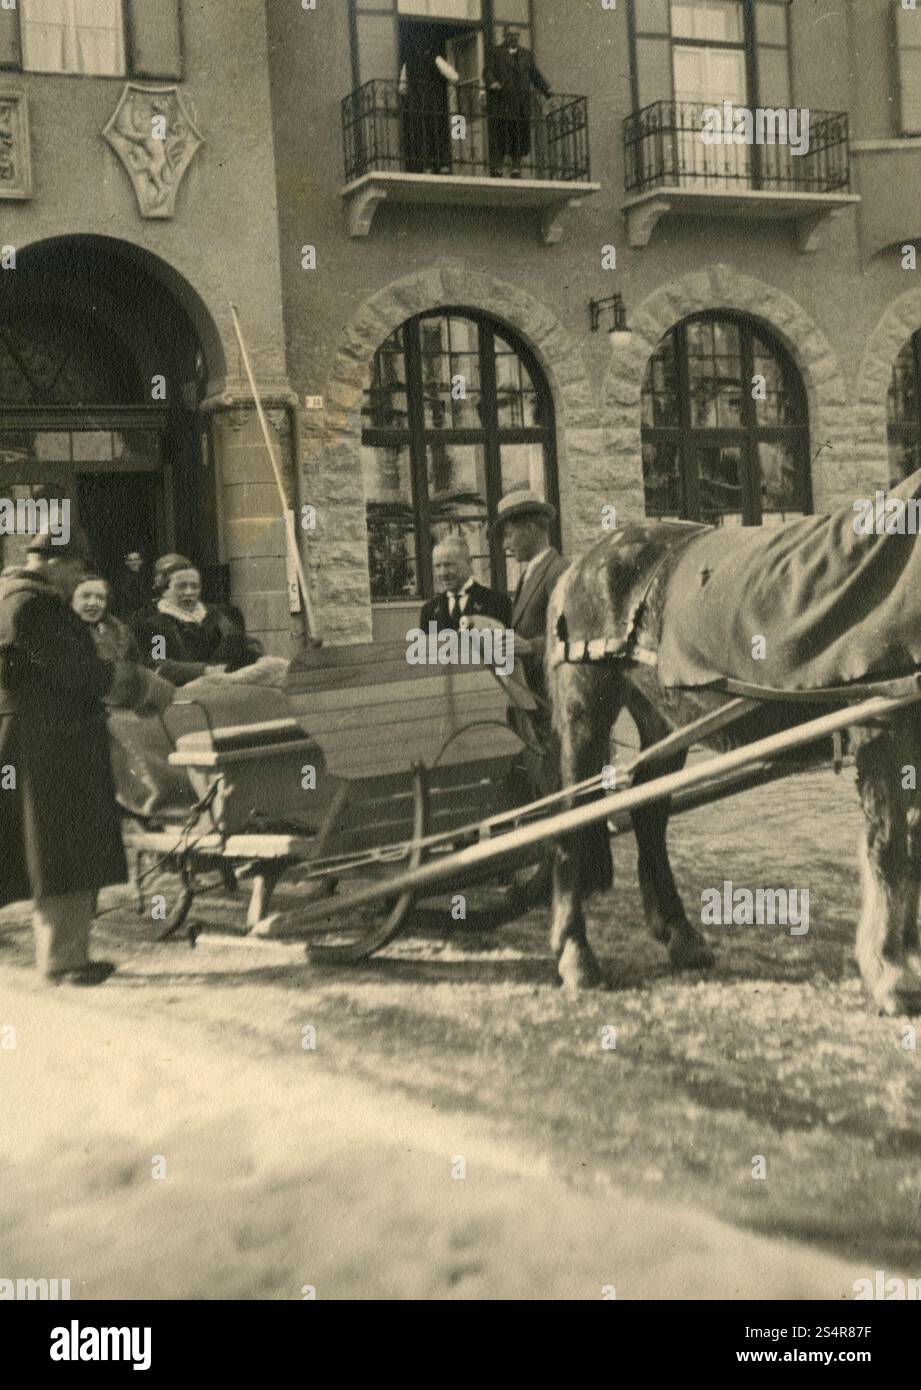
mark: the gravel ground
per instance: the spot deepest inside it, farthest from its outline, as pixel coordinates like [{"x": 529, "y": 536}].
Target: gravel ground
[{"x": 459, "y": 1045}]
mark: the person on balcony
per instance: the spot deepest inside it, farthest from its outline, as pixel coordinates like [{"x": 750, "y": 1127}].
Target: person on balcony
[
  {"x": 510, "y": 74},
  {"x": 424, "y": 82}
]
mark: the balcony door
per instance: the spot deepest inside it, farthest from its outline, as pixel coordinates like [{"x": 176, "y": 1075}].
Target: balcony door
[{"x": 691, "y": 54}]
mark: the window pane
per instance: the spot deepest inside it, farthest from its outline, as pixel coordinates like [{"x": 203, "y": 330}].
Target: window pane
[
  {"x": 456, "y": 479},
  {"x": 781, "y": 489},
  {"x": 660, "y": 389},
  {"x": 771, "y": 22},
  {"x": 522, "y": 467},
  {"x": 720, "y": 473},
  {"x": 391, "y": 531},
  {"x": 77, "y": 36},
  {"x": 661, "y": 478},
  {"x": 708, "y": 19},
  {"x": 52, "y": 447},
  {"x": 442, "y": 9},
  {"x": 92, "y": 446},
  {"x": 385, "y": 403}
]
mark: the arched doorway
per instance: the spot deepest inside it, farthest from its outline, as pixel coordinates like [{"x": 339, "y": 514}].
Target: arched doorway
[
  {"x": 101, "y": 377},
  {"x": 725, "y": 425},
  {"x": 457, "y": 414}
]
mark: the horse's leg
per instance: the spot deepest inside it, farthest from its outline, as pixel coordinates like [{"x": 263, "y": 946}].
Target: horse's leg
[
  {"x": 889, "y": 873},
  {"x": 662, "y": 905},
  {"x": 585, "y": 701}
]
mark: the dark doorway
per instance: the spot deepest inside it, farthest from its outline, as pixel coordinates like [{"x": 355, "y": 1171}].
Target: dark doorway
[{"x": 119, "y": 514}]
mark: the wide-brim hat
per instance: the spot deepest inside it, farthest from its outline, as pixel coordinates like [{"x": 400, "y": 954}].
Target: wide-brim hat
[{"x": 518, "y": 504}]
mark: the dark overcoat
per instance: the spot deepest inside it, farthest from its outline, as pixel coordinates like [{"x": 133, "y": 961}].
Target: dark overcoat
[
  {"x": 190, "y": 648},
  {"x": 59, "y": 823},
  {"x": 481, "y": 603}
]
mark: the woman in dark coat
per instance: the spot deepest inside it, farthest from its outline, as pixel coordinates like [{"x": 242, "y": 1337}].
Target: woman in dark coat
[
  {"x": 180, "y": 637},
  {"x": 60, "y": 838}
]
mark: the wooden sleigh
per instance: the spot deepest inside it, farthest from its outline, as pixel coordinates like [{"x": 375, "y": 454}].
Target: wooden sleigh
[
  {"x": 403, "y": 758},
  {"x": 422, "y": 789}
]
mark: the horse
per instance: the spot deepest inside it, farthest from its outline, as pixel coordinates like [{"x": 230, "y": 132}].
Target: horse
[{"x": 621, "y": 586}]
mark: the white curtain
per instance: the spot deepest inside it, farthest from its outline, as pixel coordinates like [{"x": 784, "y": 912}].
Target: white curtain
[{"x": 77, "y": 36}]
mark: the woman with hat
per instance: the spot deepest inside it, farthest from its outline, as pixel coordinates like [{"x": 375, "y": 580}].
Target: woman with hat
[
  {"x": 60, "y": 837},
  {"x": 182, "y": 638}
]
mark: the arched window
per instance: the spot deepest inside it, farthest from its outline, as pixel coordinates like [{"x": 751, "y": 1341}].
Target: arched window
[
  {"x": 457, "y": 414},
  {"x": 725, "y": 426},
  {"x": 905, "y": 411}
]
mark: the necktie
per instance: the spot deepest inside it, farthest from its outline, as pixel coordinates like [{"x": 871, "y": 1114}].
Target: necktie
[{"x": 452, "y": 605}]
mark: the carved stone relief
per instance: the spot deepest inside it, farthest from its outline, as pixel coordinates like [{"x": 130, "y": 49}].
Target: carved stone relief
[{"x": 154, "y": 134}]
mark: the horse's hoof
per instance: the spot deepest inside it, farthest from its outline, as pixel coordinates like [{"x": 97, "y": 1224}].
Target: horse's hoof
[
  {"x": 690, "y": 952},
  {"x": 578, "y": 968}
]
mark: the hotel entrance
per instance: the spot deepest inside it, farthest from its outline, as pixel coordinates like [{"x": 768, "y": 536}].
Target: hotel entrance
[{"x": 101, "y": 379}]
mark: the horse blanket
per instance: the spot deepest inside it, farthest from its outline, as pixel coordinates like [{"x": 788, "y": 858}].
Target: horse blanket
[{"x": 822, "y": 601}]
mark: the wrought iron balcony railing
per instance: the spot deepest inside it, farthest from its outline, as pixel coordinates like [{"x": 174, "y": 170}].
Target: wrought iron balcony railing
[
  {"x": 386, "y": 130},
  {"x": 664, "y": 148}
]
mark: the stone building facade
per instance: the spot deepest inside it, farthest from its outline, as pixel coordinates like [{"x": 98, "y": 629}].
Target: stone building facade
[
  {"x": 806, "y": 266},
  {"x": 419, "y": 319},
  {"x": 137, "y": 201}
]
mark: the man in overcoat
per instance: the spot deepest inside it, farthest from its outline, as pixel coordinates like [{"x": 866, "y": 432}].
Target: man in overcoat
[
  {"x": 60, "y": 840},
  {"x": 510, "y": 74},
  {"x": 523, "y": 521}
]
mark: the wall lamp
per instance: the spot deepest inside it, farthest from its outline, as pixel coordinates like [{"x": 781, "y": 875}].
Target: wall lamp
[{"x": 619, "y": 332}]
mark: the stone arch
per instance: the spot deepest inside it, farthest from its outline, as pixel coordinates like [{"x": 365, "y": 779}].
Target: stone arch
[
  {"x": 897, "y": 324},
  {"x": 138, "y": 264},
  {"x": 834, "y": 470},
  {"x": 332, "y": 441}
]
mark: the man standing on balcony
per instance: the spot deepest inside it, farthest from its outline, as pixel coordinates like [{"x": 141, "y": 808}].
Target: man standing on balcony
[{"x": 510, "y": 74}]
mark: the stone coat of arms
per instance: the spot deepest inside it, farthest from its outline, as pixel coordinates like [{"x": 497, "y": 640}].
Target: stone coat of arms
[{"x": 154, "y": 134}]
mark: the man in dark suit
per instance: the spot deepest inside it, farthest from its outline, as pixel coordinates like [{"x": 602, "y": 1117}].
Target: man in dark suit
[
  {"x": 523, "y": 521},
  {"x": 510, "y": 74},
  {"x": 460, "y": 596}
]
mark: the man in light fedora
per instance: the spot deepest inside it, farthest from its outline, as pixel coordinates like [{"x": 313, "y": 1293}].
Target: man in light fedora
[{"x": 523, "y": 522}]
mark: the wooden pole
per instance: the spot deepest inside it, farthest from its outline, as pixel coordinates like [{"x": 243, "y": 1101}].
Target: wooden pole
[
  {"x": 290, "y": 534},
  {"x": 566, "y": 822}
]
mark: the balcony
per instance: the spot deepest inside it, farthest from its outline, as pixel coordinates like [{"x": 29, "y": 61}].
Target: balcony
[
  {"x": 400, "y": 151},
  {"x": 671, "y": 169}
]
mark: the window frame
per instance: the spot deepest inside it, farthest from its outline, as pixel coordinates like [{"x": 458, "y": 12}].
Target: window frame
[
  {"x": 747, "y": 435},
  {"x": 749, "y": 44},
  {"x": 491, "y": 437},
  {"x": 132, "y": 69},
  {"x": 486, "y": 26}
]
